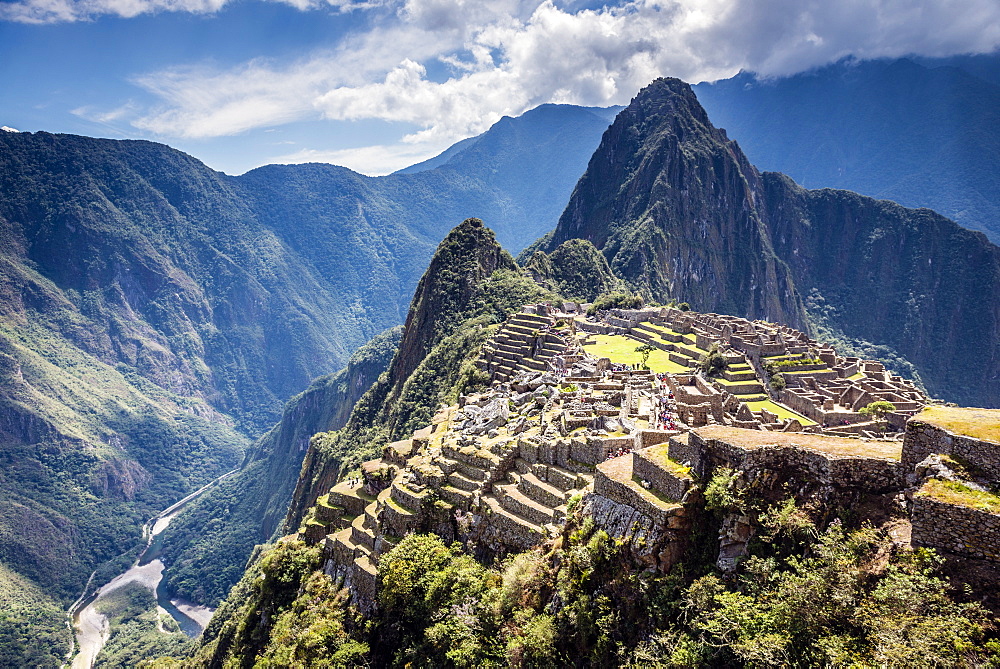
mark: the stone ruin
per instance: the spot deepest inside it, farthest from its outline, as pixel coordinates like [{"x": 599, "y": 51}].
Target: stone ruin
[
  {"x": 500, "y": 470},
  {"x": 820, "y": 385}
]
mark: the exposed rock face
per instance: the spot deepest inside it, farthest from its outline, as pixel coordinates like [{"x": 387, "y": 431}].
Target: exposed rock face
[
  {"x": 907, "y": 278},
  {"x": 679, "y": 212},
  {"x": 675, "y": 207},
  {"x": 463, "y": 260}
]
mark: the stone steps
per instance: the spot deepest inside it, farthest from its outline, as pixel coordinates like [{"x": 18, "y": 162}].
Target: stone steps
[
  {"x": 614, "y": 480},
  {"x": 341, "y": 547},
  {"x": 512, "y": 349},
  {"x": 539, "y": 490},
  {"x": 406, "y": 497},
  {"x": 326, "y": 512},
  {"x": 518, "y": 503},
  {"x": 529, "y": 533},
  {"x": 458, "y": 497},
  {"x": 361, "y": 534},
  {"x": 463, "y": 482},
  {"x": 524, "y": 330},
  {"x": 470, "y": 455},
  {"x": 352, "y": 498}
]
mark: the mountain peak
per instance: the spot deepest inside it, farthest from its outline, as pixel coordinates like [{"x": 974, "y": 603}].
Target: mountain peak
[{"x": 466, "y": 257}]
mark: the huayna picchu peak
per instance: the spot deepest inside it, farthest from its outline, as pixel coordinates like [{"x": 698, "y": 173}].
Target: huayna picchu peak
[{"x": 679, "y": 212}]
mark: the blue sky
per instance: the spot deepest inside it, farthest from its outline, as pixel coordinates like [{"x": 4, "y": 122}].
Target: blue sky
[{"x": 380, "y": 84}]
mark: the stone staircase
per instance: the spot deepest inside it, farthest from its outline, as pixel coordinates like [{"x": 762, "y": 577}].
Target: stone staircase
[{"x": 522, "y": 344}]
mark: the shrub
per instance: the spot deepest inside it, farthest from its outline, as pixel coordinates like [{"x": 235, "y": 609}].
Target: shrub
[
  {"x": 778, "y": 382},
  {"x": 615, "y": 300},
  {"x": 721, "y": 493},
  {"x": 713, "y": 363}
]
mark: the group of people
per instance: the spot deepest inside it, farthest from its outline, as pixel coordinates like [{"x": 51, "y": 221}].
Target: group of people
[
  {"x": 666, "y": 421},
  {"x": 661, "y": 415},
  {"x": 624, "y": 450}
]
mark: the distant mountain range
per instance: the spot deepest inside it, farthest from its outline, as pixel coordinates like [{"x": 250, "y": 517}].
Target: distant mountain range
[
  {"x": 919, "y": 132},
  {"x": 154, "y": 314}
]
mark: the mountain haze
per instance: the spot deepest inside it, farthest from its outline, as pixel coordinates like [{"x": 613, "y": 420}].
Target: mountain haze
[{"x": 921, "y": 133}]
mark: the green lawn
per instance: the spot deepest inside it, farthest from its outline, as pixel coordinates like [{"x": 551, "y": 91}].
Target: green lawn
[
  {"x": 622, "y": 350},
  {"x": 779, "y": 411}
]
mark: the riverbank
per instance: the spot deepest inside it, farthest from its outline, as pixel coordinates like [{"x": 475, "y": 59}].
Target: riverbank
[{"x": 91, "y": 625}]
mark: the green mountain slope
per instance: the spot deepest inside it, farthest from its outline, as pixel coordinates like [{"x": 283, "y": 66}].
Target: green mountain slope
[
  {"x": 919, "y": 133},
  {"x": 679, "y": 212},
  {"x": 155, "y": 314},
  {"x": 207, "y": 547}
]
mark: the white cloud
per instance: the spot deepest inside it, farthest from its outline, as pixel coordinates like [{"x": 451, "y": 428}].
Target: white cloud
[
  {"x": 371, "y": 160},
  {"x": 453, "y": 67},
  {"x": 61, "y": 11},
  {"x": 7, "y": 128}
]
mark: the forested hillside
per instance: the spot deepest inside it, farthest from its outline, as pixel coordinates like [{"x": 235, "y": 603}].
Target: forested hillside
[
  {"x": 918, "y": 132},
  {"x": 155, "y": 316}
]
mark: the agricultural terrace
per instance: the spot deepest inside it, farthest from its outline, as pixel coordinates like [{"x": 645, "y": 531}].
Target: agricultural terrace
[{"x": 983, "y": 424}]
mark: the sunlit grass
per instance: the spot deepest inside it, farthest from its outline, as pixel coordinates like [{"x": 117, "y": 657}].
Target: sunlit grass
[
  {"x": 954, "y": 492},
  {"x": 976, "y": 423},
  {"x": 622, "y": 350},
  {"x": 780, "y": 411}
]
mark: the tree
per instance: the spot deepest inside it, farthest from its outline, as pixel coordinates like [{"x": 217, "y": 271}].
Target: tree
[
  {"x": 877, "y": 409},
  {"x": 713, "y": 363},
  {"x": 645, "y": 350}
]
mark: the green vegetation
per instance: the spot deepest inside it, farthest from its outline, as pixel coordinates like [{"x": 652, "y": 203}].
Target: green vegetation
[
  {"x": 721, "y": 492},
  {"x": 774, "y": 366},
  {"x": 615, "y": 300},
  {"x": 644, "y": 350},
  {"x": 782, "y": 412},
  {"x": 801, "y": 598},
  {"x": 713, "y": 363},
  {"x": 777, "y": 382},
  {"x": 138, "y": 630},
  {"x": 622, "y": 350},
  {"x": 877, "y": 410},
  {"x": 842, "y": 605},
  {"x": 32, "y": 624},
  {"x": 207, "y": 545},
  {"x": 955, "y": 492},
  {"x": 575, "y": 269}
]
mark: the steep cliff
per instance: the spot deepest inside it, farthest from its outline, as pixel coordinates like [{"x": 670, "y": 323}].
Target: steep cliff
[
  {"x": 679, "y": 212},
  {"x": 206, "y": 548},
  {"x": 470, "y": 286},
  {"x": 909, "y": 279},
  {"x": 674, "y": 206}
]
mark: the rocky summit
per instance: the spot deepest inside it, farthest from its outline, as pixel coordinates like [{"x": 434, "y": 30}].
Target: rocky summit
[{"x": 680, "y": 213}]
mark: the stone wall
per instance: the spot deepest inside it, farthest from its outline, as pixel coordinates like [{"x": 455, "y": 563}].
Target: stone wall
[
  {"x": 624, "y": 494},
  {"x": 671, "y": 485},
  {"x": 955, "y": 529},
  {"x": 874, "y": 474},
  {"x": 922, "y": 439}
]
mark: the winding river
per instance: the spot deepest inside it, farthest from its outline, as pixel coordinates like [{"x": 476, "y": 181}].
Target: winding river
[{"x": 91, "y": 626}]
